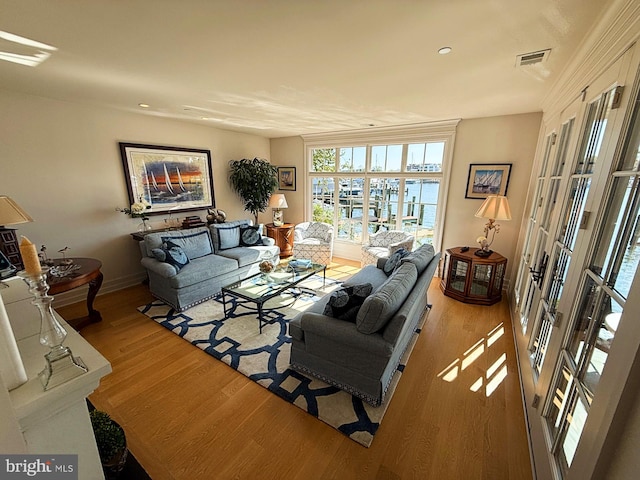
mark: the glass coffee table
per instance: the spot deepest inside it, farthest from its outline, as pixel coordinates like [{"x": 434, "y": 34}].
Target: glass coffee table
[{"x": 260, "y": 288}]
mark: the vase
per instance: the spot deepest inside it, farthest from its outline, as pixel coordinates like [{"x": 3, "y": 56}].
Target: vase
[{"x": 144, "y": 226}]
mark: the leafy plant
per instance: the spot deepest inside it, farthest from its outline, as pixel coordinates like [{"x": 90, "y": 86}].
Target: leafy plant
[
  {"x": 109, "y": 435},
  {"x": 254, "y": 180}
]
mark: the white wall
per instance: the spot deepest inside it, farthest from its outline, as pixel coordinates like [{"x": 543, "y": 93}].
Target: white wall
[
  {"x": 505, "y": 139},
  {"x": 61, "y": 162}
]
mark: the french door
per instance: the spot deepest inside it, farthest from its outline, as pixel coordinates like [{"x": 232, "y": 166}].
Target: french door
[{"x": 566, "y": 295}]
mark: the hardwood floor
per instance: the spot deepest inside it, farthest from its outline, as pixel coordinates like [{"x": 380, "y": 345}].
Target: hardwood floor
[{"x": 456, "y": 414}]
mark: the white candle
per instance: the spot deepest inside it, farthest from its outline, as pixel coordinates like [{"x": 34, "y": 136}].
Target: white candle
[
  {"x": 30, "y": 257},
  {"x": 11, "y": 366}
]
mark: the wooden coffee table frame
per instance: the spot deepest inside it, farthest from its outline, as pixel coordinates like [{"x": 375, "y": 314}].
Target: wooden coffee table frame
[{"x": 274, "y": 289}]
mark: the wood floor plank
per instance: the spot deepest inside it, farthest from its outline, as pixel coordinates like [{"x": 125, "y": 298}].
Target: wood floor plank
[{"x": 188, "y": 416}]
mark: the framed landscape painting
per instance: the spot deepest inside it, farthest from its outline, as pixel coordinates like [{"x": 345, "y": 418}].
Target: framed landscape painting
[
  {"x": 488, "y": 179},
  {"x": 171, "y": 179},
  {"x": 287, "y": 178}
]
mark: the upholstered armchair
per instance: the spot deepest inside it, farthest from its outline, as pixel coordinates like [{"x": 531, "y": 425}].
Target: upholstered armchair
[
  {"x": 313, "y": 241},
  {"x": 384, "y": 244}
]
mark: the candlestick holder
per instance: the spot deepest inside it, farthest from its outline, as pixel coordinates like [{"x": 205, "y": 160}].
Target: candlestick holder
[{"x": 61, "y": 366}]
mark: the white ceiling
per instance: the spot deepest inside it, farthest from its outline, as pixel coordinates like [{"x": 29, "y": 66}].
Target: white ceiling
[{"x": 287, "y": 67}]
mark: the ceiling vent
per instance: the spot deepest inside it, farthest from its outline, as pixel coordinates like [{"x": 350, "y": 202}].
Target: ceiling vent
[{"x": 532, "y": 58}]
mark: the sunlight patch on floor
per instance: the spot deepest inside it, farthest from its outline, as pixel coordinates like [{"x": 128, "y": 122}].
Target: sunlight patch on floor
[{"x": 495, "y": 374}]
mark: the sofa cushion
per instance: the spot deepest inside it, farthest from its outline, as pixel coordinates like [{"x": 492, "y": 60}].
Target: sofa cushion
[
  {"x": 248, "y": 255},
  {"x": 199, "y": 270},
  {"x": 344, "y": 303},
  {"x": 393, "y": 261},
  {"x": 250, "y": 236},
  {"x": 196, "y": 242},
  {"x": 368, "y": 274},
  {"x": 172, "y": 254},
  {"x": 420, "y": 257},
  {"x": 379, "y": 307},
  {"x": 226, "y": 235}
]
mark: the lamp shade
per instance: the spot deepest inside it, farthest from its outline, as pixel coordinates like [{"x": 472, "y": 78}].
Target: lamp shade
[
  {"x": 11, "y": 213},
  {"x": 277, "y": 200},
  {"x": 495, "y": 207}
]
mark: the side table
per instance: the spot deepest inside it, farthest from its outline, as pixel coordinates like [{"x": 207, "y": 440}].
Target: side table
[
  {"x": 472, "y": 279},
  {"x": 283, "y": 236},
  {"x": 88, "y": 273}
]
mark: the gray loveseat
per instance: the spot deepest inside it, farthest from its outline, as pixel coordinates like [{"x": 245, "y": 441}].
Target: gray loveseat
[
  {"x": 216, "y": 256},
  {"x": 361, "y": 357}
]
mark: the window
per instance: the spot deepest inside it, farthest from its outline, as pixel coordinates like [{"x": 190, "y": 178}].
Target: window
[{"x": 382, "y": 179}]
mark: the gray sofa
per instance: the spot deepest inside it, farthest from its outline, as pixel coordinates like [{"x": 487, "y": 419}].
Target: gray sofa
[
  {"x": 361, "y": 357},
  {"x": 216, "y": 256}
]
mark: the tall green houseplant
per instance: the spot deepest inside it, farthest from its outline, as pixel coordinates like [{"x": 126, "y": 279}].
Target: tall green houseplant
[{"x": 254, "y": 180}]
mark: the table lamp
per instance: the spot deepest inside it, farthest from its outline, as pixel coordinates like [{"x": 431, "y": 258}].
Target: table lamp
[
  {"x": 10, "y": 214},
  {"x": 277, "y": 201},
  {"x": 495, "y": 207}
]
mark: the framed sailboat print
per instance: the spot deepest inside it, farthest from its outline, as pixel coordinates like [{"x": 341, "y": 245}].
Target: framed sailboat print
[
  {"x": 488, "y": 179},
  {"x": 170, "y": 179}
]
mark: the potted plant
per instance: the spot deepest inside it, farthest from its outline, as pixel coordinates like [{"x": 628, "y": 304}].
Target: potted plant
[
  {"x": 254, "y": 180},
  {"x": 111, "y": 442}
]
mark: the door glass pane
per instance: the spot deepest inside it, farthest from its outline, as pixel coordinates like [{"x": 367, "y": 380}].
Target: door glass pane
[
  {"x": 558, "y": 405},
  {"x": 576, "y": 418},
  {"x": 573, "y": 212},
  {"x": 597, "y": 115},
  {"x": 541, "y": 339},
  {"x": 561, "y": 157},
  {"x": 618, "y": 251},
  {"x": 480, "y": 280},
  {"x": 323, "y": 200},
  {"x": 497, "y": 282},
  {"x": 383, "y": 203},
  {"x": 580, "y": 334},
  {"x": 606, "y": 325},
  {"x": 351, "y": 206},
  {"x": 559, "y": 269},
  {"x": 552, "y": 199},
  {"x": 419, "y": 209}
]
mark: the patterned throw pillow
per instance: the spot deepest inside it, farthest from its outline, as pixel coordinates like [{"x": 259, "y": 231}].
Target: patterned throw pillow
[
  {"x": 250, "y": 236},
  {"x": 393, "y": 261},
  {"x": 172, "y": 254},
  {"x": 345, "y": 303}
]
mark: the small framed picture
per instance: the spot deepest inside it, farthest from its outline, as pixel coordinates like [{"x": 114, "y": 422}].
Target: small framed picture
[
  {"x": 488, "y": 179},
  {"x": 287, "y": 178}
]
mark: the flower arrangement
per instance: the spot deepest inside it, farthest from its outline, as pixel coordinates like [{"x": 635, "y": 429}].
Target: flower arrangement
[
  {"x": 266, "y": 266},
  {"x": 137, "y": 209}
]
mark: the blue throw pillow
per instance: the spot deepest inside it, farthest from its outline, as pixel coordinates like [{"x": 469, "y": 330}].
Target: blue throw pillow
[
  {"x": 228, "y": 236},
  {"x": 344, "y": 304},
  {"x": 250, "y": 236},
  {"x": 393, "y": 261},
  {"x": 172, "y": 254}
]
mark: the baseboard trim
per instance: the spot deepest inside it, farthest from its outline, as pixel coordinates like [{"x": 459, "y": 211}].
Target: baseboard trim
[{"x": 108, "y": 286}]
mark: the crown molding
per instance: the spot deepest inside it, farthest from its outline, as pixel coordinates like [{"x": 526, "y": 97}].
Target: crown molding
[
  {"x": 396, "y": 133},
  {"x": 614, "y": 34}
]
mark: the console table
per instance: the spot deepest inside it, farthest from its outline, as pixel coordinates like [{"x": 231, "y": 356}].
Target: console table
[
  {"x": 472, "y": 279},
  {"x": 283, "y": 236}
]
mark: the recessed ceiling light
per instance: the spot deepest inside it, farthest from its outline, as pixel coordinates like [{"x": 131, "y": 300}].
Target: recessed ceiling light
[
  {"x": 143, "y": 105},
  {"x": 445, "y": 50}
]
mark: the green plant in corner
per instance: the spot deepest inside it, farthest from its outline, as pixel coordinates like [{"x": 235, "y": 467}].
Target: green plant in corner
[
  {"x": 111, "y": 441},
  {"x": 254, "y": 180}
]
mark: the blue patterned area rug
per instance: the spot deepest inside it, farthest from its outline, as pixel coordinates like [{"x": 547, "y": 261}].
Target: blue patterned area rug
[{"x": 264, "y": 358}]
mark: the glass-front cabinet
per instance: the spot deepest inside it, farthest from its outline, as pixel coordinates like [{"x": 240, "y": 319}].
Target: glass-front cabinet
[{"x": 473, "y": 279}]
